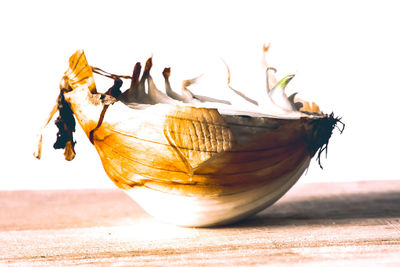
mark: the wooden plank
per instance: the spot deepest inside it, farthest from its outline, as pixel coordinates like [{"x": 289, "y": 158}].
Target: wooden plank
[{"x": 314, "y": 224}]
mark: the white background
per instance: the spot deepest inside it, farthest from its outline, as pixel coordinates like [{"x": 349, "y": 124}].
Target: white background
[{"x": 345, "y": 54}]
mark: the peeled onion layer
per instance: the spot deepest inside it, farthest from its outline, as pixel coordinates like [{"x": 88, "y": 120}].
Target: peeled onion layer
[
  {"x": 207, "y": 211},
  {"x": 195, "y": 163}
]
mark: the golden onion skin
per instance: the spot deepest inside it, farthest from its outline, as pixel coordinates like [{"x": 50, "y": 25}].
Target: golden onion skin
[{"x": 193, "y": 165}]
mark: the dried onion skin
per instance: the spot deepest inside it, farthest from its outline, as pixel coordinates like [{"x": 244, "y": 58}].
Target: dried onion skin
[{"x": 196, "y": 161}]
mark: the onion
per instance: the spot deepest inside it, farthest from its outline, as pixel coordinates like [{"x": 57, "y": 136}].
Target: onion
[{"x": 193, "y": 160}]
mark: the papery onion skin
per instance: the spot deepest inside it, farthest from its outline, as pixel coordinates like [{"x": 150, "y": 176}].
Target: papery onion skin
[{"x": 196, "y": 161}]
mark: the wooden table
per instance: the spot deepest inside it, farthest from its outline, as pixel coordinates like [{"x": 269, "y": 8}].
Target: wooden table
[{"x": 354, "y": 224}]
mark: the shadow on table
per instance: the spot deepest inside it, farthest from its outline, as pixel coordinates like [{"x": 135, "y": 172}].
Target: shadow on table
[{"x": 325, "y": 210}]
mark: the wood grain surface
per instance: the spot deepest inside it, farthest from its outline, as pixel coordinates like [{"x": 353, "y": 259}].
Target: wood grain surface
[{"x": 324, "y": 224}]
